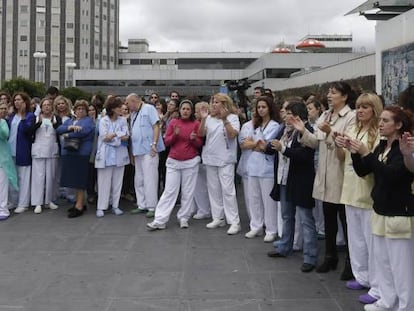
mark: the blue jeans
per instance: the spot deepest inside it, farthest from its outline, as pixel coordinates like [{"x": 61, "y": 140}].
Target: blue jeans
[{"x": 310, "y": 242}]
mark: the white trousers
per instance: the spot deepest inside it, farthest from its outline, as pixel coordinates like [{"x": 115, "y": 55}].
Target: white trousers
[
  {"x": 22, "y": 197},
  {"x": 4, "y": 193},
  {"x": 187, "y": 178},
  {"x": 201, "y": 200},
  {"x": 146, "y": 181},
  {"x": 43, "y": 180},
  {"x": 263, "y": 209},
  {"x": 109, "y": 186},
  {"x": 360, "y": 247},
  {"x": 395, "y": 273},
  {"x": 245, "y": 182},
  {"x": 222, "y": 193}
]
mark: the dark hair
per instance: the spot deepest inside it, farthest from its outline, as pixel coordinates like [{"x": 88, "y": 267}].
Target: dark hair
[
  {"x": 307, "y": 95},
  {"x": 298, "y": 108},
  {"x": 406, "y": 98},
  {"x": 5, "y": 94},
  {"x": 175, "y": 93},
  {"x": 53, "y": 90},
  {"x": 345, "y": 89},
  {"x": 98, "y": 100},
  {"x": 187, "y": 101},
  {"x": 273, "y": 111},
  {"x": 406, "y": 118},
  {"x": 96, "y": 110},
  {"x": 111, "y": 103},
  {"x": 316, "y": 103},
  {"x": 261, "y": 89},
  {"x": 25, "y": 98}
]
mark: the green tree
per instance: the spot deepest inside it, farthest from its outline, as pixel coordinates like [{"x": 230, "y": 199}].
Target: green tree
[
  {"x": 20, "y": 84},
  {"x": 74, "y": 93}
]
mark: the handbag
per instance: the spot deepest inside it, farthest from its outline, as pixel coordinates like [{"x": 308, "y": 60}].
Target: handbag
[{"x": 71, "y": 144}]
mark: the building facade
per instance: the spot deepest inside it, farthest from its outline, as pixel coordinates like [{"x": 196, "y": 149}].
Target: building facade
[
  {"x": 45, "y": 40},
  {"x": 199, "y": 73}
]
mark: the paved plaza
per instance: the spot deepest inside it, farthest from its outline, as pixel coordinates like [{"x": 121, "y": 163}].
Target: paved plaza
[{"x": 50, "y": 262}]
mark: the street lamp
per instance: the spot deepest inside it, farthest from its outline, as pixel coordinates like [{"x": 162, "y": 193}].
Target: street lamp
[
  {"x": 70, "y": 67},
  {"x": 40, "y": 65}
]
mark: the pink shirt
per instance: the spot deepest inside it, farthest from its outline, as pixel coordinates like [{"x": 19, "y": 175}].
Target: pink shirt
[{"x": 182, "y": 147}]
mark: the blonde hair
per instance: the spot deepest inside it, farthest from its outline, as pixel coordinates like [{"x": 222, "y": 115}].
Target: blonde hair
[
  {"x": 68, "y": 103},
  {"x": 226, "y": 101},
  {"x": 202, "y": 104},
  {"x": 372, "y": 100}
]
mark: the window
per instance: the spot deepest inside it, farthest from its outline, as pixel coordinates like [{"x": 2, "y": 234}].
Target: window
[
  {"x": 21, "y": 53},
  {"x": 24, "y": 9},
  {"x": 40, "y": 38},
  {"x": 41, "y": 23},
  {"x": 23, "y": 38},
  {"x": 86, "y": 55},
  {"x": 23, "y": 23},
  {"x": 70, "y": 25},
  {"x": 69, "y": 39}
]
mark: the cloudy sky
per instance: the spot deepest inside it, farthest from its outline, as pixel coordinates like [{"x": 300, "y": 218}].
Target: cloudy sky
[{"x": 239, "y": 25}]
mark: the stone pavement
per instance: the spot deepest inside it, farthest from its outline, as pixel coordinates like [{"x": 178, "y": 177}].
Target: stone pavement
[{"x": 50, "y": 262}]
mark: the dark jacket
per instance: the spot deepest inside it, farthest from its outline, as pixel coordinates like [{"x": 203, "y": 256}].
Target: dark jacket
[
  {"x": 392, "y": 181},
  {"x": 24, "y": 139},
  {"x": 301, "y": 173}
]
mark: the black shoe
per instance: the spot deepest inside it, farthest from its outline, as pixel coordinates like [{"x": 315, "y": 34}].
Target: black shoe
[
  {"x": 75, "y": 213},
  {"x": 307, "y": 267},
  {"x": 347, "y": 274},
  {"x": 330, "y": 263},
  {"x": 275, "y": 254}
]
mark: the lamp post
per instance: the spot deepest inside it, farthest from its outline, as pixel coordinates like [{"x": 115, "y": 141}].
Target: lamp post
[
  {"x": 40, "y": 66},
  {"x": 70, "y": 67}
]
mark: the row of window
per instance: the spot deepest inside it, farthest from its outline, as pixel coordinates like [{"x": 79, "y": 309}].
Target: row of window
[{"x": 156, "y": 83}]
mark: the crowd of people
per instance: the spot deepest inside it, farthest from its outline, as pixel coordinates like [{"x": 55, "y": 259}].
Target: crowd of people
[{"x": 307, "y": 169}]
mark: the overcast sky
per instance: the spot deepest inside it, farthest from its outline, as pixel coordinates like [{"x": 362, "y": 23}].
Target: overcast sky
[{"x": 239, "y": 25}]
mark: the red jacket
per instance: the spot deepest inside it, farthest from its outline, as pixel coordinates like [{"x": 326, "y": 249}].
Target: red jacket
[{"x": 182, "y": 147}]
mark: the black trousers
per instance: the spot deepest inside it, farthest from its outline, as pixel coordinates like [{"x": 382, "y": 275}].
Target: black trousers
[{"x": 330, "y": 213}]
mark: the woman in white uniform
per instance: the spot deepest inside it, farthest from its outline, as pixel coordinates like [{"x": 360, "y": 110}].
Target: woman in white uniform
[
  {"x": 260, "y": 171},
  {"x": 111, "y": 156},
  {"x": 45, "y": 153},
  {"x": 219, "y": 155}
]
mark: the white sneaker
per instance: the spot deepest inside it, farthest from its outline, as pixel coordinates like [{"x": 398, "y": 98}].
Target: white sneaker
[
  {"x": 374, "y": 307},
  {"x": 38, "y": 209},
  {"x": 183, "y": 223},
  {"x": 20, "y": 210},
  {"x": 117, "y": 211},
  {"x": 234, "y": 229},
  {"x": 253, "y": 233},
  {"x": 216, "y": 223},
  {"x": 53, "y": 205},
  {"x": 100, "y": 213},
  {"x": 152, "y": 226},
  {"x": 269, "y": 237},
  {"x": 199, "y": 216}
]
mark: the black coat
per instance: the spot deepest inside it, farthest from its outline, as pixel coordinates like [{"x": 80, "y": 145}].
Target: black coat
[
  {"x": 392, "y": 181},
  {"x": 301, "y": 173}
]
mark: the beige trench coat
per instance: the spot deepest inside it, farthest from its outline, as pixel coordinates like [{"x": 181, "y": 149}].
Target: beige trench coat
[{"x": 330, "y": 173}]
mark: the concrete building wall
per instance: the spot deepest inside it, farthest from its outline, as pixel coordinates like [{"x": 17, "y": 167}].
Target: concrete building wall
[{"x": 354, "y": 68}]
